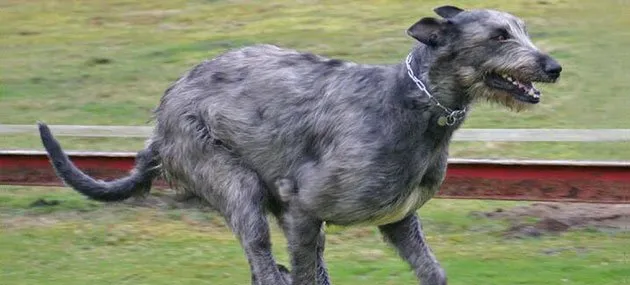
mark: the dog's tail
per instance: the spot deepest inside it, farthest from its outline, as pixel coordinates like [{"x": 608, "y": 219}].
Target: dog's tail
[{"x": 137, "y": 182}]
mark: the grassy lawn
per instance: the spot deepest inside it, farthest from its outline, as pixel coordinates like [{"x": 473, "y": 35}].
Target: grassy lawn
[
  {"x": 79, "y": 242},
  {"x": 108, "y": 62}
]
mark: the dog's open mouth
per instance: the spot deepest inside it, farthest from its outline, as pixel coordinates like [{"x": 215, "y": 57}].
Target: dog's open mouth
[{"x": 521, "y": 90}]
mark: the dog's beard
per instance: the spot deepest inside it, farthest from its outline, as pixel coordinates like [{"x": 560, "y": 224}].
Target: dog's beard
[{"x": 481, "y": 92}]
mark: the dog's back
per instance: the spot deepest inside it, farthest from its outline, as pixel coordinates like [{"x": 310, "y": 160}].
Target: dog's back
[{"x": 275, "y": 107}]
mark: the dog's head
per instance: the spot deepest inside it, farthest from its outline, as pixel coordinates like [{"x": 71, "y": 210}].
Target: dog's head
[{"x": 489, "y": 54}]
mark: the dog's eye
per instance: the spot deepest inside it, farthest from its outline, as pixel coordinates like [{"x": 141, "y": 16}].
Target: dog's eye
[{"x": 501, "y": 35}]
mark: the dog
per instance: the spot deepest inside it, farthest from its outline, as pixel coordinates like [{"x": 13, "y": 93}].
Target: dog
[{"x": 352, "y": 144}]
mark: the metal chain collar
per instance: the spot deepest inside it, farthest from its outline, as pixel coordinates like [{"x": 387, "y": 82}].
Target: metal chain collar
[{"x": 453, "y": 115}]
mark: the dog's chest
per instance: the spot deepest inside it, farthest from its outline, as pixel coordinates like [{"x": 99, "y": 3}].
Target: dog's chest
[
  {"x": 401, "y": 207},
  {"x": 421, "y": 189}
]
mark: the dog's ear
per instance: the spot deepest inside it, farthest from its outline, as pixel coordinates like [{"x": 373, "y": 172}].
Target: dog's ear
[
  {"x": 428, "y": 31},
  {"x": 447, "y": 11}
]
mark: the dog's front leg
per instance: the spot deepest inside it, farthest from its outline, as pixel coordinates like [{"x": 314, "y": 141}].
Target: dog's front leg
[
  {"x": 303, "y": 237},
  {"x": 407, "y": 237},
  {"x": 288, "y": 192},
  {"x": 322, "y": 271}
]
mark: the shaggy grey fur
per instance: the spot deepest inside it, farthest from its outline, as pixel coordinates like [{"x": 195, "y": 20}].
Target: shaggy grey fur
[{"x": 310, "y": 139}]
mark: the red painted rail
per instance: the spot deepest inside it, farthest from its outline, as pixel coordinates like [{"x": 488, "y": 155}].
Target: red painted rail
[{"x": 567, "y": 181}]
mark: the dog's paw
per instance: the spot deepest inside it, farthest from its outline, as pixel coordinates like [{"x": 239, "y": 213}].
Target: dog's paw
[{"x": 437, "y": 276}]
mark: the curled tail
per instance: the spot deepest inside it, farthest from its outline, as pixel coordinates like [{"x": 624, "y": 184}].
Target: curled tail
[{"x": 138, "y": 181}]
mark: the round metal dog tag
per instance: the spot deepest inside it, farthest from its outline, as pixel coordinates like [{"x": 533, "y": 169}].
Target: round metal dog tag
[{"x": 442, "y": 121}]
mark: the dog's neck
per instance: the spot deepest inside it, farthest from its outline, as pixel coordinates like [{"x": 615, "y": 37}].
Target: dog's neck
[{"x": 426, "y": 66}]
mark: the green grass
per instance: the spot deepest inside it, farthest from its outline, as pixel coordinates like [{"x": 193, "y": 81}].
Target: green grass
[
  {"x": 79, "y": 242},
  {"x": 108, "y": 62}
]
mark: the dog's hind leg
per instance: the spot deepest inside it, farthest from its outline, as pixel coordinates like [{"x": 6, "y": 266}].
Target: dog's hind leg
[
  {"x": 249, "y": 224},
  {"x": 286, "y": 274},
  {"x": 407, "y": 237},
  {"x": 239, "y": 194}
]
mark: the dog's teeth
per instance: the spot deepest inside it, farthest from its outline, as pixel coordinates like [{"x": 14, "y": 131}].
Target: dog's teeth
[
  {"x": 531, "y": 92},
  {"x": 509, "y": 78},
  {"x": 504, "y": 76}
]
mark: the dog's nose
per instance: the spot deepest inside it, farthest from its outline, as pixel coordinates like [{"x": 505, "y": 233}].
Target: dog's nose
[{"x": 552, "y": 67}]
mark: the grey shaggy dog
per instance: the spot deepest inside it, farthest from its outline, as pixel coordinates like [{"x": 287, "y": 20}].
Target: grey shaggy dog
[{"x": 309, "y": 139}]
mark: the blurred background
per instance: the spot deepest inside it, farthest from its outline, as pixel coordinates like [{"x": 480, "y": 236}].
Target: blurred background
[{"x": 108, "y": 62}]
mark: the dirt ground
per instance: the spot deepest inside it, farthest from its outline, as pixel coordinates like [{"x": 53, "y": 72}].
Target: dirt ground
[{"x": 545, "y": 218}]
